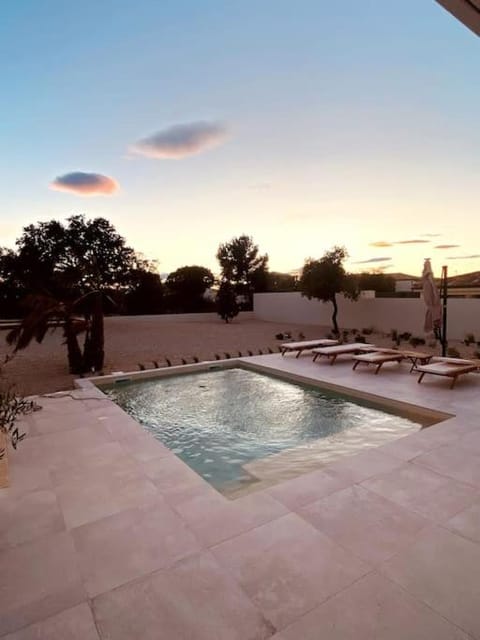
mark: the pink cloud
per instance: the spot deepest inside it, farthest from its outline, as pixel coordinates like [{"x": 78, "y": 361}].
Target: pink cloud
[
  {"x": 85, "y": 184},
  {"x": 181, "y": 140}
]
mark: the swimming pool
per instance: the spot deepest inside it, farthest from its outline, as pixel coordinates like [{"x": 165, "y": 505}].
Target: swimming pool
[{"x": 222, "y": 422}]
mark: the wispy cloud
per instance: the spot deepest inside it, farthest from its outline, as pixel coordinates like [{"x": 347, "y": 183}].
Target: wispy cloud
[
  {"x": 85, "y": 184},
  {"x": 181, "y": 140},
  {"x": 430, "y": 235},
  {"x": 475, "y": 255},
  {"x": 381, "y": 244},
  {"x": 446, "y": 246},
  {"x": 297, "y": 217},
  {"x": 370, "y": 260}
]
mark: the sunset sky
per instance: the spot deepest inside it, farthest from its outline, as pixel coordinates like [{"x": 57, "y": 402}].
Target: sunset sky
[{"x": 304, "y": 124}]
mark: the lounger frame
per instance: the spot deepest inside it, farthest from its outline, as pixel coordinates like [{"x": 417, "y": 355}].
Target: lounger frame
[
  {"x": 379, "y": 360},
  {"x": 454, "y": 372}
]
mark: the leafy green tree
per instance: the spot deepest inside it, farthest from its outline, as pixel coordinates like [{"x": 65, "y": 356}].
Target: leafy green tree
[
  {"x": 323, "y": 279},
  {"x": 243, "y": 266},
  {"x": 227, "y": 307},
  {"x": 187, "y": 286}
]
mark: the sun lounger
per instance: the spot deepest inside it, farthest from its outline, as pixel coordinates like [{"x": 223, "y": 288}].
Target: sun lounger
[
  {"x": 333, "y": 352},
  {"x": 378, "y": 358},
  {"x": 448, "y": 367},
  {"x": 306, "y": 345}
]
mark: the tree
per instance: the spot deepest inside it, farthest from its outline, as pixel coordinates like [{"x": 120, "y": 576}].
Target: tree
[
  {"x": 242, "y": 265},
  {"x": 69, "y": 268},
  {"x": 81, "y": 254},
  {"x": 379, "y": 282},
  {"x": 146, "y": 296},
  {"x": 227, "y": 307},
  {"x": 187, "y": 286},
  {"x": 278, "y": 282},
  {"x": 11, "y": 290},
  {"x": 44, "y": 312},
  {"x": 323, "y": 279}
]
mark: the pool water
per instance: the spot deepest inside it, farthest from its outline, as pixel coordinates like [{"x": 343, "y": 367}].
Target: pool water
[{"x": 218, "y": 421}]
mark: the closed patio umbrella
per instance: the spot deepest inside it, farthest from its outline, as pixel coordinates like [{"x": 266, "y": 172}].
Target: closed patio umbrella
[{"x": 431, "y": 297}]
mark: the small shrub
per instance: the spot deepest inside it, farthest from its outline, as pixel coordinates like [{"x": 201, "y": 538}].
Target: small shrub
[
  {"x": 415, "y": 342},
  {"x": 360, "y": 338},
  {"x": 367, "y": 331},
  {"x": 469, "y": 339},
  {"x": 227, "y": 307},
  {"x": 184, "y": 361},
  {"x": 394, "y": 335},
  {"x": 11, "y": 408},
  {"x": 406, "y": 335},
  {"x": 141, "y": 366},
  {"x": 155, "y": 364},
  {"x": 301, "y": 336},
  {"x": 169, "y": 364}
]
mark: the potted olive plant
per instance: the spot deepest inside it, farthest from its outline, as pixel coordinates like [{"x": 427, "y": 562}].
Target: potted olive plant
[{"x": 11, "y": 407}]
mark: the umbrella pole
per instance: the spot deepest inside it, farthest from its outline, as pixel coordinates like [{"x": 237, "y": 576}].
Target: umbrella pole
[{"x": 444, "y": 292}]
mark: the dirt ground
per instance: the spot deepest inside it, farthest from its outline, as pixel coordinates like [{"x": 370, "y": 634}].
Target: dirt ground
[{"x": 132, "y": 342}]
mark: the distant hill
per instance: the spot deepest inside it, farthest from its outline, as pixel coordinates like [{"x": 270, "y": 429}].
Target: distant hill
[
  {"x": 402, "y": 276},
  {"x": 465, "y": 280},
  {"x": 459, "y": 281}
]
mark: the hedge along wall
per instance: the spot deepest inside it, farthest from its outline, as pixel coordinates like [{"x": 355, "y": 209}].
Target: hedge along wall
[{"x": 384, "y": 314}]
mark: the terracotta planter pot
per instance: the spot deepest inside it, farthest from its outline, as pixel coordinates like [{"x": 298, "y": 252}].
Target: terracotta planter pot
[{"x": 3, "y": 462}]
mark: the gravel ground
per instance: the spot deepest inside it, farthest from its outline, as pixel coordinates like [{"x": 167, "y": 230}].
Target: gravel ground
[
  {"x": 141, "y": 340},
  {"x": 131, "y": 341}
]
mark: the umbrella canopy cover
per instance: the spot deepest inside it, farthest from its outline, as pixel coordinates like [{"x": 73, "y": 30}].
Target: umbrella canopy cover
[{"x": 431, "y": 297}]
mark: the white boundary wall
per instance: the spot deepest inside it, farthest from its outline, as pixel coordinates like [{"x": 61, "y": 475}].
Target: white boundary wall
[{"x": 384, "y": 314}]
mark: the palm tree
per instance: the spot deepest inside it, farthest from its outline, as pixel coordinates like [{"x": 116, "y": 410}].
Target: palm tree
[{"x": 45, "y": 311}]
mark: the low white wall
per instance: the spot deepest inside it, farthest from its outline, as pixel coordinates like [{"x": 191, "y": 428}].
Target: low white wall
[
  {"x": 403, "y": 314},
  {"x": 182, "y": 317}
]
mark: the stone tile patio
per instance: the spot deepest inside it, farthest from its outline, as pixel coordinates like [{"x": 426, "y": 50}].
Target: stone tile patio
[{"x": 106, "y": 534}]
